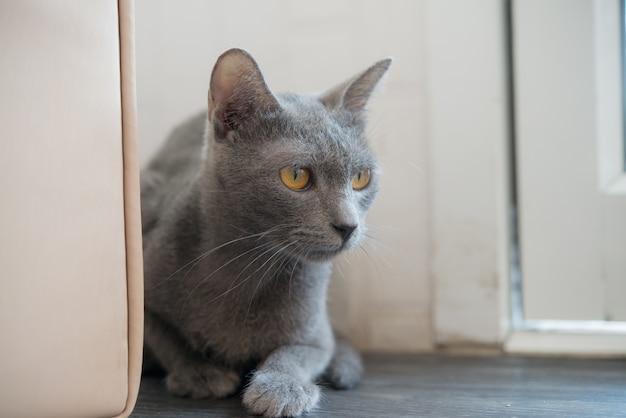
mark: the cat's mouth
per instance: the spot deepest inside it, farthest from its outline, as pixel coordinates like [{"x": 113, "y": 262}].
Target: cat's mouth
[{"x": 320, "y": 246}]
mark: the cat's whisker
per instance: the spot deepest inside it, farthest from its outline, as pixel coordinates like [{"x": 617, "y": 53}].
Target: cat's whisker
[
  {"x": 415, "y": 166},
  {"x": 231, "y": 287},
  {"x": 264, "y": 233},
  {"x": 391, "y": 250},
  {"x": 255, "y": 255},
  {"x": 374, "y": 233},
  {"x": 249, "y": 263},
  {"x": 375, "y": 124},
  {"x": 201, "y": 282},
  {"x": 343, "y": 276},
  {"x": 382, "y": 243},
  {"x": 384, "y": 227},
  {"x": 274, "y": 247},
  {"x": 233, "y": 283},
  {"x": 291, "y": 275},
  {"x": 196, "y": 263},
  {"x": 378, "y": 243},
  {"x": 378, "y": 254},
  {"x": 390, "y": 116},
  {"x": 204, "y": 255},
  {"x": 364, "y": 250},
  {"x": 280, "y": 251}
]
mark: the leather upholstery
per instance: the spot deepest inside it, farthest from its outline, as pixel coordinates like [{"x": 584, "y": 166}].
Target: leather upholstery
[{"x": 71, "y": 300}]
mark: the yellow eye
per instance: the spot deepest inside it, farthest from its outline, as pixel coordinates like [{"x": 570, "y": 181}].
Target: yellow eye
[
  {"x": 361, "y": 179},
  {"x": 296, "y": 178}
]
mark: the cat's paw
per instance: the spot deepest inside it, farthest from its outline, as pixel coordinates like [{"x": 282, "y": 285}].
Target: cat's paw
[
  {"x": 273, "y": 394},
  {"x": 202, "y": 380},
  {"x": 344, "y": 376},
  {"x": 346, "y": 368}
]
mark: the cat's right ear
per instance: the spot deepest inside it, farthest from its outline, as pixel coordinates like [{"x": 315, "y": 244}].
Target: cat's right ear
[
  {"x": 354, "y": 93},
  {"x": 237, "y": 91}
]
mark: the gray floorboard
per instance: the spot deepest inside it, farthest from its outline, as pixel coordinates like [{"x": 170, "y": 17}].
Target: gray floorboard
[{"x": 443, "y": 386}]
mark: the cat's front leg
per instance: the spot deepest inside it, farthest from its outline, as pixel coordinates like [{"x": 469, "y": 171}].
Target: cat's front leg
[
  {"x": 198, "y": 379},
  {"x": 283, "y": 386},
  {"x": 188, "y": 373}
]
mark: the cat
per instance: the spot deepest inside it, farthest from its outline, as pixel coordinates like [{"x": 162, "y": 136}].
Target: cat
[{"x": 244, "y": 207}]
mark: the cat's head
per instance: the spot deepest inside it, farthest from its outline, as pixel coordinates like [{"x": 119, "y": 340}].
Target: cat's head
[{"x": 296, "y": 169}]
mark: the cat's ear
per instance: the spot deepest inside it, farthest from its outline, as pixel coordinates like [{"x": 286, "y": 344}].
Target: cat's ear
[
  {"x": 237, "y": 91},
  {"x": 354, "y": 93}
]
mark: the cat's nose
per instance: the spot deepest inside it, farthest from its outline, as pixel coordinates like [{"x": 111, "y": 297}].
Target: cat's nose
[{"x": 344, "y": 230}]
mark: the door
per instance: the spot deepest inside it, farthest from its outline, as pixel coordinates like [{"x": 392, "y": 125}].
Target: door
[
  {"x": 571, "y": 185},
  {"x": 570, "y": 160}
]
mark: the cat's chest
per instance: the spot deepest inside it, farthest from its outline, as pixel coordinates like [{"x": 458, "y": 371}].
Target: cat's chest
[
  {"x": 242, "y": 335},
  {"x": 248, "y": 326}
]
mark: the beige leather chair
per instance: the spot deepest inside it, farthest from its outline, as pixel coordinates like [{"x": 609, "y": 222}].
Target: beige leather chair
[{"x": 71, "y": 296}]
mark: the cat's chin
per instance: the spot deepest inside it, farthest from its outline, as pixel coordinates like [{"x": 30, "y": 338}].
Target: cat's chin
[
  {"x": 322, "y": 256},
  {"x": 326, "y": 254}
]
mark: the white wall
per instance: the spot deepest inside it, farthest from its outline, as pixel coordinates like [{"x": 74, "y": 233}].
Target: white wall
[
  {"x": 382, "y": 300},
  {"x": 468, "y": 137}
]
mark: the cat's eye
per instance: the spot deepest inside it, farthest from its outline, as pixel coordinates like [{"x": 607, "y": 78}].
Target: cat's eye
[
  {"x": 361, "y": 180},
  {"x": 296, "y": 178}
]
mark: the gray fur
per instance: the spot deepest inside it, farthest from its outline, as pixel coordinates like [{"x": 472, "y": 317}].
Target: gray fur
[{"x": 236, "y": 264}]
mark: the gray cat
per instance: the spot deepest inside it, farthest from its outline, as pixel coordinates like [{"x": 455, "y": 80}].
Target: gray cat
[{"x": 243, "y": 210}]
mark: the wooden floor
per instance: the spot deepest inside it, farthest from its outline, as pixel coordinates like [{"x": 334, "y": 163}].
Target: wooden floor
[{"x": 443, "y": 386}]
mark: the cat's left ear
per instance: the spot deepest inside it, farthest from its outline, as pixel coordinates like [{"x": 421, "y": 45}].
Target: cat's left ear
[{"x": 354, "y": 93}]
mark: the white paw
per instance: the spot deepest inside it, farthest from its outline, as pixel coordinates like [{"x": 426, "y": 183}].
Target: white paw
[
  {"x": 202, "y": 380},
  {"x": 280, "y": 395}
]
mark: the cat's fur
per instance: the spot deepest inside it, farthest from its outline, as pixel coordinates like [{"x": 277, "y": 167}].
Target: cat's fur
[{"x": 237, "y": 264}]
